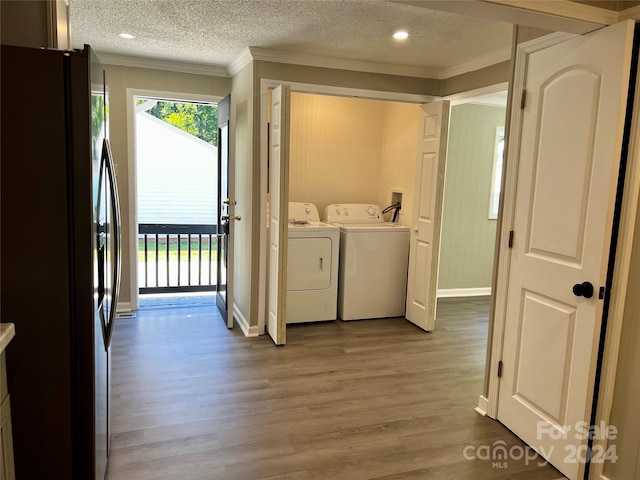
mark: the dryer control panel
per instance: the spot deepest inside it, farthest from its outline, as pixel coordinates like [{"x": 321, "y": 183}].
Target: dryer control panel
[
  {"x": 353, "y": 213},
  {"x": 303, "y": 212}
]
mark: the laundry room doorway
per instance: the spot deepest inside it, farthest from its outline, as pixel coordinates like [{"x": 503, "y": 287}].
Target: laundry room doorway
[{"x": 366, "y": 154}]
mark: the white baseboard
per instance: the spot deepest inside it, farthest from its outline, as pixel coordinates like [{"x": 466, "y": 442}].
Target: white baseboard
[
  {"x": 463, "y": 292},
  {"x": 124, "y": 307},
  {"x": 483, "y": 406},
  {"x": 253, "y": 331},
  {"x": 248, "y": 330}
]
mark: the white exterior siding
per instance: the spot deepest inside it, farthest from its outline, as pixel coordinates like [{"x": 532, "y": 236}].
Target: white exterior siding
[{"x": 176, "y": 174}]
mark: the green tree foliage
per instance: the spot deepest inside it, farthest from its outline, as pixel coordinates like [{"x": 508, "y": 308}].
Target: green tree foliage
[{"x": 198, "y": 120}]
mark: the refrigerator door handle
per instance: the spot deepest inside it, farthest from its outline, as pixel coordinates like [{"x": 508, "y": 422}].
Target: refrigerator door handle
[{"x": 115, "y": 205}]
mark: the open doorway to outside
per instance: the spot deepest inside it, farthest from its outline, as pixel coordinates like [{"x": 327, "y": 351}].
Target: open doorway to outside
[{"x": 176, "y": 195}]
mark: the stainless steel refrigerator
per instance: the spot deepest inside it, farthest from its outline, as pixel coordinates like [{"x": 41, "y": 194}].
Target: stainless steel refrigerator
[{"x": 59, "y": 259}]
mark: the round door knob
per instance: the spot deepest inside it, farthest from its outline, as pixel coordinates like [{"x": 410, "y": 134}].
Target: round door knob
[{"x": 584, "y": 289}]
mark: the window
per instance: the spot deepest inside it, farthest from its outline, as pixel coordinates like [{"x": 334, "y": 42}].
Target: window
[{"x": 496, "y": 176}]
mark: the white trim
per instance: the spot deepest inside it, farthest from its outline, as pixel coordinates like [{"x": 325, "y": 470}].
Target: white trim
[
  {"x": 131, "y": 94},
  {"x": 620, "y": 285},
  {"x": 475, "y": 64},
  {"x": 265, "y": 85},
  {"x": 506, "y": 219},
  {"x": 159, "y": 64},
  {"x": 124, "y": 307},
  {"x": 483, "y": 405},
  {"x": 464, "y": 97},
  {"x": 310, "y": 60},
  {"x": 564, "y": 8},
  {"x": 263, "y": 263},
  {"x": 249, "y": 331},
  {"x": 463, "y": 292},
  {"x": 175, "y": 96},
  {"x": 632, "y": 13},
  {"x": 231, "y": 212},
  {"x": 244, "y": 59},
  {"x": 134, "y": 294},
  {"x": 253, "y": 53}
]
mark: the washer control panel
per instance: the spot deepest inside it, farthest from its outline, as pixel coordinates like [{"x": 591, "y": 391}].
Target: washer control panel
[{"x": 353, "y": 213}]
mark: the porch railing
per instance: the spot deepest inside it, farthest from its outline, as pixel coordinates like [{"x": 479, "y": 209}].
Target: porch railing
[{"x": 176, "y": 258}]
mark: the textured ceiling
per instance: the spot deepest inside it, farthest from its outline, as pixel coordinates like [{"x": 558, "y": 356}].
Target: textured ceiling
[{"x": 215, "y": 32}]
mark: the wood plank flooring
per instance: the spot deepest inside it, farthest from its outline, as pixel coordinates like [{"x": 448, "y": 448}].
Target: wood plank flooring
[{"x": 374, "y": 399}]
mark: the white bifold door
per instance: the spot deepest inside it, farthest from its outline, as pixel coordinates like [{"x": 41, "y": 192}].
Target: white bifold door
[
  {"x": 427, "y": 214},
  {"x": 278, "y": 214},
  {"x": 568, "y": 163}
]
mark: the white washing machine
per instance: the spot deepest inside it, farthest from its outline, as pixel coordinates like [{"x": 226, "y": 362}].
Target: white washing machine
[
  {"x": 312, "y": 266},
  {"x": 374, "y": 259}
]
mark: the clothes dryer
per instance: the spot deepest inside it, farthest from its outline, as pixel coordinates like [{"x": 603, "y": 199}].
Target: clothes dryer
[{"x": 312, "y": 266}]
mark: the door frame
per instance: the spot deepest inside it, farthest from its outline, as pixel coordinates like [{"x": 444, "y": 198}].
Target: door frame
[
  {"x": 132, "y": 172},
  {"x": 266, "y": 85},
  {"x": 489, "y": 405}
]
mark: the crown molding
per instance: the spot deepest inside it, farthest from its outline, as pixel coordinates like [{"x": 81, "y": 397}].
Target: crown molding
[
  {"x": 159, "y": 64},
  {"x": 244, "y": 59},
  {"x": 564, "y": 8},
  {"x": 632, "y": 13},
  {"x": 262, "y": 54},
  {"x": 475, "y": 64},
  {"x": 277, "y": 56}
]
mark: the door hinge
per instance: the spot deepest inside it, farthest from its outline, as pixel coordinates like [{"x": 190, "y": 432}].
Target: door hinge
[
  {"x": 499, "y": 368},
  {"x": 601, "y": 293},
  {"x": 511, "y": 239},
  {"x": 523, "y": 99}
]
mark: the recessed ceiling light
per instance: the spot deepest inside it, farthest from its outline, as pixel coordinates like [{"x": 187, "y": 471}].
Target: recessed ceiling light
[
  {"x": 400, "y": 35},
  {"x": 128, "y": 36}
]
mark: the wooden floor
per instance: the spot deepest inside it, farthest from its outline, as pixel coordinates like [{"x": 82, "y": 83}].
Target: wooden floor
[{"x": 375, "y": 399}]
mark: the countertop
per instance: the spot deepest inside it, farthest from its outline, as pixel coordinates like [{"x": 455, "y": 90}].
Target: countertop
[{"x": 7, "y": 332}]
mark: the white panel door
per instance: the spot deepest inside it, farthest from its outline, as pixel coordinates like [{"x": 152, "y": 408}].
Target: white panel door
[
  {"x": 427, "y": 214},
  {"x": 568, "y": 161},
  {"x": 278, "y": 215}
]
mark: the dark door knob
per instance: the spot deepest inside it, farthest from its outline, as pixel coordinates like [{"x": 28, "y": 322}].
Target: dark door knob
[{"x": 584, "y": 289}]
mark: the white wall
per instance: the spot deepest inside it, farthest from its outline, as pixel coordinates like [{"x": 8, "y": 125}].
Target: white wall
[
  {"x": 348, "y": 150},
  {"x": 399, "y": 151},
  {"x": 245, "y": 241},
  {"x": 176, "y": 174},
  {"x": 335, "y": 149}
]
